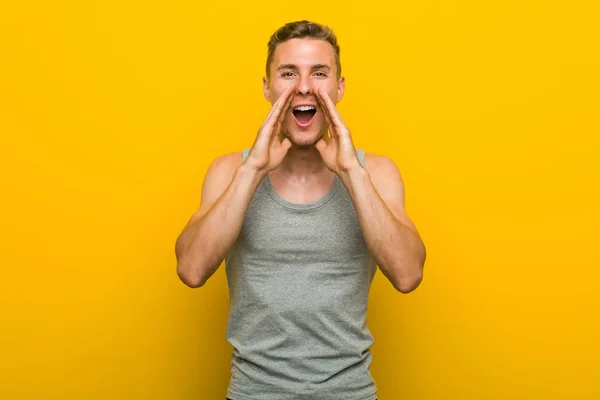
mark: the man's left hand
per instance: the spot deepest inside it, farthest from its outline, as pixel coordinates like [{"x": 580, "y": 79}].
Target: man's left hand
[{"x": 337, "y": 151}]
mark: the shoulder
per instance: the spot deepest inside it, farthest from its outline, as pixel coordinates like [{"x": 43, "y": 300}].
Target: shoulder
[
  {"x": 381, "y": 167},
  {"x": 387, "y": 181},
  {"x": 233, "y": 159},
  {"x": 222, "y": 168},
  {"x": 226, "y": 163}
]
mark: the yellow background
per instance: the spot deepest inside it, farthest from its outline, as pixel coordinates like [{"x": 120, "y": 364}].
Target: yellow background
[{"x": 111, "y": 111}]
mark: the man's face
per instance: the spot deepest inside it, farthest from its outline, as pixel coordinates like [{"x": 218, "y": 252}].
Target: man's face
[{"x": 306, "y": 64}]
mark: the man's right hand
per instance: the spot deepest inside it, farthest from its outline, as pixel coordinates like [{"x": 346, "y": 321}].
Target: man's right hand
[{"x": 268, "y": 151}]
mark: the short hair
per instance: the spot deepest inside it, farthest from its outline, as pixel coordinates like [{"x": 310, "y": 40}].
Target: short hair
[{"x": 303, "y": 30}]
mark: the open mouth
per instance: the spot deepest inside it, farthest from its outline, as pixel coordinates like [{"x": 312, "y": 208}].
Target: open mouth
[{"x": 304, "y": 115}]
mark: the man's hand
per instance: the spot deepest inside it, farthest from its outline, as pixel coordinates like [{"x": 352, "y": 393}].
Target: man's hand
[
  {"x": 268, "y": 149},
  {"x": 337, "y": 152}
]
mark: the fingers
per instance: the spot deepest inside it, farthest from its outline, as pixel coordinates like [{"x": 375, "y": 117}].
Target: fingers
[
  {"x": 323, "y": 107},
  {"x": 274, "y": 106},
  {"x": 272, "y": 124},
  {"x": 286, "y": 106},
  {"x": 325, "y": 111},
  {"x": 331, "y": 112},
  {"x": 280, "y": 106},
  {"x": 282, "y": 113}
]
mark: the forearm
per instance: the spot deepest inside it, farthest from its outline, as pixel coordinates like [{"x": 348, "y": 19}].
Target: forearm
[
  {"x": 203, "y": 245},
  {"x": 397, "y": 248}
]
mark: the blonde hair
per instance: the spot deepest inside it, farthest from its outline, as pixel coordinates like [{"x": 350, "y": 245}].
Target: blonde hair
[{"x": 301, "y": 30}]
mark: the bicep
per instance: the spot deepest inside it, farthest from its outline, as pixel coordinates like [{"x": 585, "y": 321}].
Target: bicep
[
  {"x": 388, "y": 183},
  {"x": 218, "y": 177}
]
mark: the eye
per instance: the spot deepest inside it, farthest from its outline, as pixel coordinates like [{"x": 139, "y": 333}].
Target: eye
[
  {"x": 322, "y": 73},
  {"x": 286, "y": 74}
]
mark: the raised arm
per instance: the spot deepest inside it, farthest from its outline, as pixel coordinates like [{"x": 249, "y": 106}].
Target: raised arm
[
  {"x": 227, "y": 191},
  {"x": 211, "y": 231}
]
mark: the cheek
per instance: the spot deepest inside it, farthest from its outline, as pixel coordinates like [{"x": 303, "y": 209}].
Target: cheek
[
  {"x": 278, "y": 88},
  {"x": 330, "y": 89}
]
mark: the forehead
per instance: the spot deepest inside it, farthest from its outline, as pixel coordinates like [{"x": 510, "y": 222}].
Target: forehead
[{"x": 304, "y": 53}]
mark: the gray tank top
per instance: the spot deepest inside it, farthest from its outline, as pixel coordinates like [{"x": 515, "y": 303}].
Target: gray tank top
[{"x": 299, "y": 277}]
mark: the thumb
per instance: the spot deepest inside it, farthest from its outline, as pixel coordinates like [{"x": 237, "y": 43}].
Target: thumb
[
  {"x": 286, "y": 144},
  {"x": 321, "y": 145}
]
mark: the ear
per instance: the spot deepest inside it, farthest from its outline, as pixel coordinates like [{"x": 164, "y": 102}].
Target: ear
[
  {"x": 341, "y": 88},
  {"x": 266, "y": 89}
]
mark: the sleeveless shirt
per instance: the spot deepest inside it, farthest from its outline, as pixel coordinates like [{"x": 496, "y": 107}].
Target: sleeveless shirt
[{"x": 299, "y": 277}]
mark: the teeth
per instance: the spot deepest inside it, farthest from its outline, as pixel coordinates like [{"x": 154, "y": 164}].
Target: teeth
[{"x": 304, "y": 108}]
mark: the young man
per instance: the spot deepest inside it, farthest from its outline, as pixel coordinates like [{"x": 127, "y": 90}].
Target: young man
[{"x": 302, "y": 220}]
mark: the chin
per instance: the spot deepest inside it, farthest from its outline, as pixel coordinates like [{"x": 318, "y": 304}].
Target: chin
[{"x": 304, "y": 139}]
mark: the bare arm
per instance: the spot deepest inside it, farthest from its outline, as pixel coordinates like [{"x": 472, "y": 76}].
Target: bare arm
[
  {"x": 226, "y": 194},
  {"x": 227, "y": 190},
  {"x": 377, "y": 192}
]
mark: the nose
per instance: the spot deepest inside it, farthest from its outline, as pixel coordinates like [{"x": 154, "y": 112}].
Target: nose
[{"x": 304, "y": 86}]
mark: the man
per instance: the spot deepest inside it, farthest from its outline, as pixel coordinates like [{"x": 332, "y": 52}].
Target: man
[{"x": 302, "y": 220}]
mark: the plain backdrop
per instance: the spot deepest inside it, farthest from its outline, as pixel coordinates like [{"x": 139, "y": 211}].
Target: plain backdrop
[{"x": 111, "y": 112}]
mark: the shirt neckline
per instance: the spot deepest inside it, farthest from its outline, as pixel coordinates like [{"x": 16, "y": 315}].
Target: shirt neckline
[{"x": 303, "y": 206}]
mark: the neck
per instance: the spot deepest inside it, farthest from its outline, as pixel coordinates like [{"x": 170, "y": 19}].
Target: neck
[{"x": 302, "y": 161}]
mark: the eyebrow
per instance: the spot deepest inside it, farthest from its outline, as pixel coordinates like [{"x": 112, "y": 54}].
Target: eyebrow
[{"x": 295, "y": 67}]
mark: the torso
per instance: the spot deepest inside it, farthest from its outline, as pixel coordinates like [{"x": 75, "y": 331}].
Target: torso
[{"x": 299, "y": 276}]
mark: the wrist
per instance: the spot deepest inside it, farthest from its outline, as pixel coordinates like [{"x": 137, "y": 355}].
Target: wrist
[
  {"x": 249, "y": 171},
  {"x": 354, "y": 170},
  {"x": 353, "y": 174}
]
